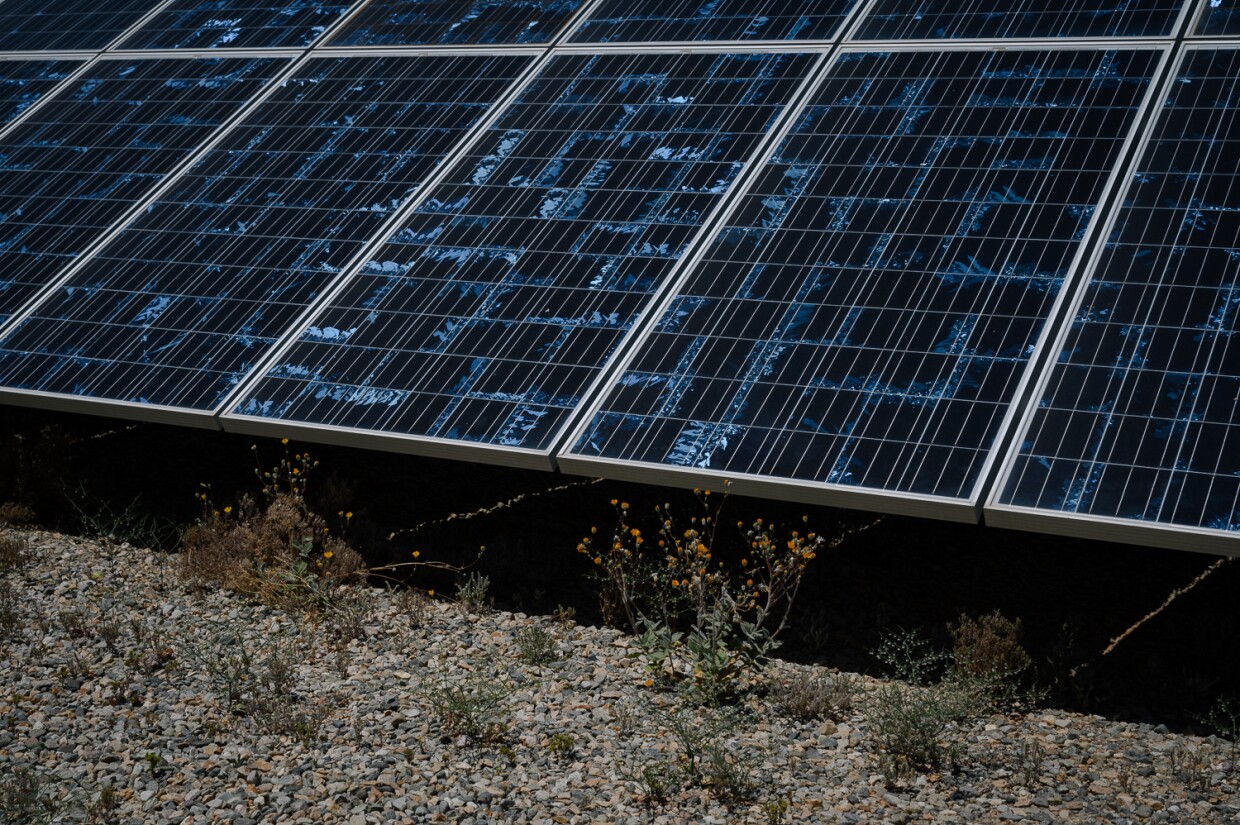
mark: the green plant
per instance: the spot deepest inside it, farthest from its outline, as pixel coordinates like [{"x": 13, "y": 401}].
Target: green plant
[
  {"x": 22, "y": 801},
  {"x": 656, "y": 780},
  {"x": 471, "y": 707},
  {"x": 807, "y": 695},
  {"x": 696, "y": 617},
  {"x": 154, "y": 762},
  {"x": 907, "y": 655},
  {"x": 987, "y": 654},
  {"x": 775, "y": 810},
  {"x": 128, "y": 524},
  {"x": 536, "y": 645},
  {"x": 561, "y": 745},
  {"x": 471, "y": 594},
  {"x": 909, "y": 722},
  {"x": 1190, "y": 767},
  {"x": 99, "y": 811}
]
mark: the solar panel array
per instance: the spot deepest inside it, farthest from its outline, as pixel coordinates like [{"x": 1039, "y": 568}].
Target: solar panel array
[{"x": 950, "y": 259}]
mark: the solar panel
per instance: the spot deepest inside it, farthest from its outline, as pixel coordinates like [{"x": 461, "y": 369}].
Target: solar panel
[
  {"x": 66, "y": 25},
  {"x": 215, "y": 24},
  {"x": 1137, "y": 431},
  {"x": 1220, "y": 18},
  {"x": 940, "y": 19},
  {"x": 485, "y": 318},
  {"x": 446, "y": 23},
  {"x": 183, "y": 301},
  {"x": 24, "y": 82},
  {"x": 620, "y": 21},
  {"x": 860, "y": 324},
  {"x": 75, "y": 165}
]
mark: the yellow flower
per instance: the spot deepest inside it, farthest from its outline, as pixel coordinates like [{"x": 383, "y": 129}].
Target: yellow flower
[
  {"x": 327, "y": 554},
  {"x": 613, "y": 502},
  {"x": 296, "y": 471},
  {"x": 349, "y": 514},
  {"x": 675, "y": 582},
  {"x": 430, "y": 592},
  {"x": 228, "y": 509},
  {"x": 598, "y": 559},
  {"x": 417, "y": 553},
  {"x": 283, "y": 440}
]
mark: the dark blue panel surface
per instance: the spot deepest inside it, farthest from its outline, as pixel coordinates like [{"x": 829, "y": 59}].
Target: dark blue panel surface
[
  {"x": 1221, "y": 17},
  {"x": 487, "y": 315},
  {"x": 215, "y": 24},
  {"x": 866, "y": 313},
  {"x": 464, "y": 22},
  {"x": 72, "y": 168},
  {"x": 935, "y": 19},
  {"x": 86, "y": 25},
  {"x": 181, "y": 303},
  {"x": 1141, "y": 416},
  {"x": 644, "y": 21},
  {"x": 24, "y": 82}
]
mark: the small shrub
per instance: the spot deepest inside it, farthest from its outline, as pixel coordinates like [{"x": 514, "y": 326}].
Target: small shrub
[
  {"x": 472, "y": 708},
  {"x": 282, "y": 552},
  {"x": 695, "y": 617},
  {"x": 17, "y": 515},
  {"x": 807, "y": 696},
  {"x": 414, "y": 605},
  {"x": 987, "y": 654},
  {"x": 471, "y": 594},
  {"x": 536, "y": 645},
  {"x": 14, "y": 552},
  {"x": 1029, "y": 758},
  {"x": 75, "y": 622},
  {"x": 727, "y": 775},
  {"x": 1224, "y": 717},
  {"x": 775, "y": 810},
  {"x": 909, "y": 724},
  {"x": 21, "y": 799},
  {"x": 907, "y": 655},
  {"x": 1190, "y": 767},
  {"x": 10, "y": 612},
  {"x": 561, "y": 745}
]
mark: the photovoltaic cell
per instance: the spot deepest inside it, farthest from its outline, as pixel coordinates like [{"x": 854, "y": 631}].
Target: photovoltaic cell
[
  {"x": 617, "y": 21},
  {"x": 74, "y": 166},
  {"x": 24, "y": 82},
  {"x": 863, "y": 318},
  {"x": 178, "y": 306},
  {"x": 488, "y": 314},
  {"x": 1220, "y": 18},
  {"x": 939, "y": 19},
  {"x": 1140, "y": 418},
  {"x": 447, "y": 23},
  {"x": 259, "y": 24},
  {"x": 67, "y": 25}
]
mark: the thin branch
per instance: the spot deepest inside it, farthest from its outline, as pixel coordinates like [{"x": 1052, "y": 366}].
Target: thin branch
[
  {"x": 1175, "y": 594},
  {"x": 502, "y": 505}
]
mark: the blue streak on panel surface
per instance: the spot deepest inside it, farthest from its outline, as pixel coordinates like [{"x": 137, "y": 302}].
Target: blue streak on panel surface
[
  {"x": 23, "y": 83},
  {"x": 178, "y": 307},
  {"x": 943, "y": 19},
  {"x": 218, "y": 24},
  {"x": 646, "y": 21},
  {"x": 864, "y": 317},
  {"x": 1140, "y": 416},
  {"x": 447, "y": 23},
  {"x": 74, "y": 166},
  {"x": 508, "y": 288},
  {"x": 68, "y": 25}
]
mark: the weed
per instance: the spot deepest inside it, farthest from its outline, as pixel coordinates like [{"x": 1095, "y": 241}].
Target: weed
[
  {"x": 100, "y": 810},
  {"x": 75, "y": 622},
  {"x": 987, "y": 655},
  {"x": 154, "y": 762},
  {"x": 108, "y": 631},
  {"x": 806, "y": 695},
  {"x": 21, "y": 799},
  {"x": 697, "y": 618},
  {"x": 471, "y": 708},
  {"x": 908, "y": 656},
  {"x": 656, "y": 781},
  {"x": 131, "y": 524},
  {"x": 348, "y": 613},
  {"x": 1190, "y": 767},
  {"x": 536, "y": 645},
  {"x": 282, "y": 715},
  {"x": 151, "y": 651},
  {"x": 413, "y": 604},
  {"x": 14, "y": 552},
  {"x": 11, "y": 622},
  {"x": 561, "y": 745},
  {"x": 727, "y": 775},
  {"x": 12, "y": 513},
  {"x": 471, "y": 594},
  {"x": 775, "y": 810},
  {"x": 282, "y": 553},
  {"x": 1224, "y": 717},
  {"x": 1029, "y": 757},
  {"x": 565, "y": 615},
  {"x": 909, "y": 723}
]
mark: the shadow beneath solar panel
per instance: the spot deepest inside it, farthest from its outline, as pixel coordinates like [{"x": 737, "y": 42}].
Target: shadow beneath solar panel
[{"x": 1073, "y": 596}]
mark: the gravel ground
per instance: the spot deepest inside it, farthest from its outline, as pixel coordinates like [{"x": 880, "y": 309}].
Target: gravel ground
[{"x": 115, "y": 706}]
